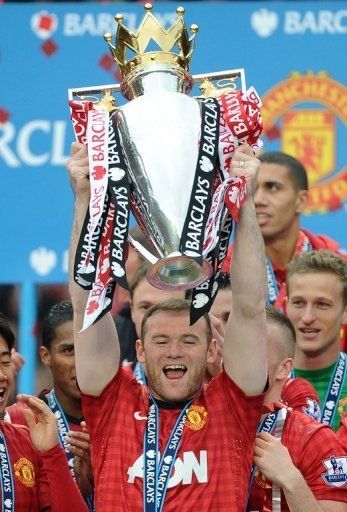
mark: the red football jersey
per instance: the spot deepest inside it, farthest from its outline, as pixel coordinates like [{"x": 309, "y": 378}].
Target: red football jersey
[
  {"x": 214, "y": 460},
  {"x": 42, "y": 480},
  {"x": 15, "y": 415},
  {"x": 342, "y": 432},
  {"x": 300, "y": 395},
  {"x": 312, "y": 447}
]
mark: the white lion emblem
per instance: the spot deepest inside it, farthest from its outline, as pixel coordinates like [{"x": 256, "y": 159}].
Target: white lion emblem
[
  {"x": 116, "y": 174},
  {"x": 200, "y": 300},
  {"x": 205, "y": 164},
  {"x": 117, "y": 269}
]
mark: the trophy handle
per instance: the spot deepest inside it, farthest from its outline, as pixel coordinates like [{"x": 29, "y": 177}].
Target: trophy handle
[{"x": 78, "y": 93}]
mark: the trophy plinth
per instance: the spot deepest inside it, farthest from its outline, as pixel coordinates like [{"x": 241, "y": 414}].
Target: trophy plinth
[{"x": 177, "y": 272}]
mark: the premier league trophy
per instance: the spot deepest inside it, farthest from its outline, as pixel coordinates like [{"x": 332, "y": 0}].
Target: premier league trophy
[{"x": 165, "y": 156}]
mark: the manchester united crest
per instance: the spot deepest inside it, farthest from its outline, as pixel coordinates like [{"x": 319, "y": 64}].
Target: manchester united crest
[
  {"x": 24, "y": 471},
  {"x": 307, "y": 114},
  {"x": 260, "y": 479},
  {"x": 196, "y": 417},
  {"x": 342, "y": 408}
]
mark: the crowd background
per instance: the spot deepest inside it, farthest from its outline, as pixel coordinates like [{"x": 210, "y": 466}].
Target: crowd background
[{"x": 46, "y": 49}]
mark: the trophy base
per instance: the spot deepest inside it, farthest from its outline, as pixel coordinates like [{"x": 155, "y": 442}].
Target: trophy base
[{"x": 178, "y": 273}]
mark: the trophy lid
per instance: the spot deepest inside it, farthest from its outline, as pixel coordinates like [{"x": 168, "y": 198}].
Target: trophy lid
[{"x": 151, "y": 30}]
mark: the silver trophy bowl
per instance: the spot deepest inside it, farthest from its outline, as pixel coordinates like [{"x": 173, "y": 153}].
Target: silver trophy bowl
[{"x": 160, "y": 132}]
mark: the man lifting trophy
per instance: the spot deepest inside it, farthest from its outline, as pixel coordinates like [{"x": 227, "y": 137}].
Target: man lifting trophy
[{"x": 164, "y": 155}]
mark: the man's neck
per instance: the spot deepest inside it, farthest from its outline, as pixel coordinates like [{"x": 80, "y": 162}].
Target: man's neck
[
  {"x": 71, "y": 406},
  {"x": 317, "y": 361},
  {"x": 273, "y": 394},
  {"x": 280, "y": 249}
]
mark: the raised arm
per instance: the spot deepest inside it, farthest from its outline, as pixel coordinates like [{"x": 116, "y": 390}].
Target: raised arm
[
  {"x": 97, "y": 348},
  {"x": 244, "y": 350}
]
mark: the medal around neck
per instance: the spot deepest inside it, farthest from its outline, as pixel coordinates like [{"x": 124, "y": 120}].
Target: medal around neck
[{"x": 165, "y": 156}]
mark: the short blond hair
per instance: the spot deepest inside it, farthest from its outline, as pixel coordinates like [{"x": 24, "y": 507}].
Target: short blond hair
[{"x": 321, "y": 261}]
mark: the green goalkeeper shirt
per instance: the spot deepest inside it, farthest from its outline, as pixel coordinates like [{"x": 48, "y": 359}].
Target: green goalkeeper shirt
[{"x": 320, "y": 379}]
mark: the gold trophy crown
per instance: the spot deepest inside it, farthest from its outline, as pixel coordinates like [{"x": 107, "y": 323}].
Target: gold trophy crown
[{"x": 151, "y": 29}]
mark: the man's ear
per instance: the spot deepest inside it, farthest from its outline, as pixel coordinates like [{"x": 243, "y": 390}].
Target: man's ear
[
  {"x": 301, "y": 201},
  {"x": 45, "y": 356},
  {"x": 284, "y": 368},
  {"x": 212, "y": 351},
  {"x": 140, "y": 351}
]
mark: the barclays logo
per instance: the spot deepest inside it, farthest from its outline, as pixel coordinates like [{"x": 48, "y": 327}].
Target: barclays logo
[
  {"x": 18, "y": 144},
  {"x": 264, "y": 22}
]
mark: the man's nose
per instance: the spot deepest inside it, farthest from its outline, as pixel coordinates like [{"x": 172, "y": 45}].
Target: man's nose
[
  {"x": 308, "y": 314},
  {"x": 260, "y": 197},
  {"x": 174, "y": 349}
]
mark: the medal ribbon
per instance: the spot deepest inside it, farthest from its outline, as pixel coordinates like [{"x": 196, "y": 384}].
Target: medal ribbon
[
  {"x": 157, "y": 470},
  {"x": 7, "y": 483},
  {"x": 63, "y": 426},
  {"x": 268, "y": 425},
  {"x": 139, "y": 374},
  {"x": 303, "y": 245},
  {"x": 276, "y": 490},
  {"x": 332, "y": 397}
]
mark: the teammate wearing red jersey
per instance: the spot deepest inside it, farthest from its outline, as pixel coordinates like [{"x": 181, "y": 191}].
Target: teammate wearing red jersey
[
  {"x": 297, "y": 456},
  {"x": 206, "y": 433},
  {"x": 57, "y": 353},
  {"x": 34, "y": 474}
]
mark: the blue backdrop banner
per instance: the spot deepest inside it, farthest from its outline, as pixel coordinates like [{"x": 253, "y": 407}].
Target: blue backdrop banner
[{"x": 292, "y": 52}]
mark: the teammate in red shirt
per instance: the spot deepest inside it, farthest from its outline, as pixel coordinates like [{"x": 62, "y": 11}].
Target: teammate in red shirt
[
  {"x": 212, "y": 441},
  {"x": 293, "y": 452},
  {"x": 34, "y": 474},
  {"x": 301, "y": 396},
  {"x": 57, "y": 354}
]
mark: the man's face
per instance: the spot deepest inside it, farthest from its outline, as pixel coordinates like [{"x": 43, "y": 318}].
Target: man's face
[
  {"x": 175, "y": 355},
  {"x": 61, "y": 359},
  {"x": 315, "y": 307},
  {"x": 6, "y": 374},
  {"x": 277, "y": 202},
  {"x": 146, "y": 296},
  {"x": 222, "y": 305}
]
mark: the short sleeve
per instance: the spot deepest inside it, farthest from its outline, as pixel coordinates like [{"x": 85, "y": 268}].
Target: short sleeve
[
  {"x": 98, "y": 410},
  {"x": 324, "y": 465},
  {"x": 246, "y": 408}
]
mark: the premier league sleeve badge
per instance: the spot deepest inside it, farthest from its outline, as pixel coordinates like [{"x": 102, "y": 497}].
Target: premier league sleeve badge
[{"x": 337, "y": 471}]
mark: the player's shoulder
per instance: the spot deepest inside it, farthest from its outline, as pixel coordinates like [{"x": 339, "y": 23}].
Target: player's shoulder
[
  {"x": 128, "y": 387},
  {"x": 300, "y": 426},
  {"x": 322, "y": 241},
  {"x": 300, "y": 395},
  {"x": 20, "y": 433}
]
